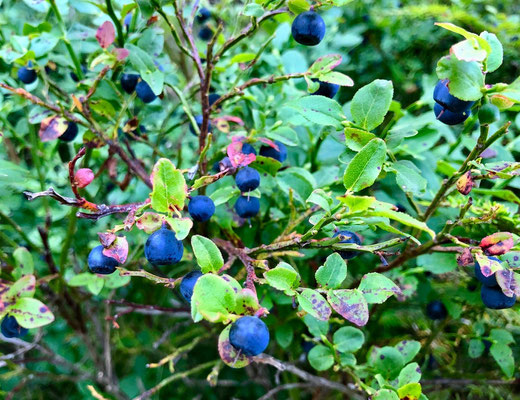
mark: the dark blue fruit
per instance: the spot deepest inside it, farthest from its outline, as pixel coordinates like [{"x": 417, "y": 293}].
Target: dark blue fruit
[
  {"x": 203, "y": 15},
  {"x": 11, "y": 329},
  {"x": 351, "y": 238},
  {"x": 98, "y": 263},
  {"x": 247, "y": 179},
  {"x": 198, "y": 120},
  {"x": 222, "y": 165},
  {"x": 248, "y": 149},
  {"x": 450, "y": 118},
  {"x": 163, "y": 248},
  {"x": 205, "y": 33},
  {"x": 494, "y": 298},
  {"x": 441, "y": 94},
  {"x": 308, "y": 28},
  {"x": 268, "y": 151},
  {"x": 436, "y": 310},
  {"x": 128, "y": 19},
  {"x": 213, "y": 97},
  {"x": 247, "y": 208},
  {"x": 73, "y": 75},
  {"x": 70, "y": 133},
  {"x": 489, "y": 280},
  {"x": 249, "y": 335},
  {"x": 326, "y": 89},
  {"x": 129, "y": 82},
  {"x": 27, "y": 74},
  {"x": 188, "y": 283},
  {"x": 201, "y": 208},
  {"x": 144, "y": 92}
]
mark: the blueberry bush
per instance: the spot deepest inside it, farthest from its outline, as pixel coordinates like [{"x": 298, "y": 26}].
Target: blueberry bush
[{"x": 259, "y": 199}]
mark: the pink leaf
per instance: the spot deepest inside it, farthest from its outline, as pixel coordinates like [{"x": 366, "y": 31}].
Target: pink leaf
[
  {"x": 497, "y": 244},
  {"x": 121, "y": 54},
  {"x": 106, "y": 238},
  {"x": 270, "y": 143},
  {"x": 83, "y": 177},
  {"x": 118, "y": 250},
  {"x": 234, "y": 152},
  {"x": 106, "y": 34}
]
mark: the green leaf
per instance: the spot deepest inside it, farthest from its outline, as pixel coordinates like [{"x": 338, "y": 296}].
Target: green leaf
[
  {"x": 408, "y": 349},
  {"x": 388, "y": 362},
  {"x": 298, "y": 6},
  {"x": 155, "y": 79},
  {"x": 357, "y": 203},
  {"x": 504, "y": 357},
  {"x": 23, "y": 287},
  {"x": 114, "y": 281},
  {"x": 299, "y": 180},
  {"x": 214, "y": 298},
  {"x": 409, "y": 177},
  {"x": 438, "y": 263},
  {"x": 285, "y": 135},
  {"x": 502, "y": 336},
  {"x": 266, "y": 165},
  {"x": 377, "y": 288},
  {"x": 320, "y": 198},
  {"x": 410, "y": 391},
  {"x": 207, "y": 254},
  {"x": 325, "y": 64},
  {"x": 24, "y": 263},
  {"x": 348, "y": 339},
  {"x": 31, "y": 313},
  {"x": 96, "y": 285},
  {"x": 315, "y": 304},
  {"x": 356, "y": 138},
  {"x": 503, "y": 194},
  {"x": 284, "y": 335},
  {"x": 253, "y": 10},
  {"x": 242, "y": 57},
  {"x": 283, "y": 277},
  {"x": 337, "y": 78},
  {"x": 331, "y": 274},
  {"x": 476, "y": 348},
  {"x": 409, "y": 374},
  {"x": 315, "y": 326},
  {"x": 496, "y": 56},
  {"x": 223, "y": 195},
  {"x": 321, "y": 357},
  {"x": 319, "y": 110},
  {"x": 475, "y": 40},
  {"x": 82, "y": 279},
  {"x": 365, "y": 167},
  {"x": 350, "y": 304},
  {"x": 385, "y": 394},
  {"x": 169, "y": 187},
  {"x": 140, "y": 59},
  {"x": 466, "y": 78},
  {"x": 181, "y": 226},
  {"x": 371, "y": 103}
]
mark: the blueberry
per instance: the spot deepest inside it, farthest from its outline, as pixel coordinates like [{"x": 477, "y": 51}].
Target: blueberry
[
  {"x": 326, "y": 89},
  {"x": 98, "y": 263},
  {"x": 129, "y": 82},
  {"x": 201, "y": 208},
  {"x": 73, "y": 75},
  {"x": 248, "y": 149},
  {"x": 144, "y": 92},
  {"x": 494, "y": 298},
  {"x": 268, "y": 151},
  {"x": 307, "y": 346},
  {"x": 188, "y": 283},
  {"x": 27, "y": 74},
  {"x": 198, "y": 121},
  {"x": 128, "y": 19},
  {"x": 213, "y": 97},
  {"x": 203, "y": 15},
  {"x": 11, "y": 329},
  {"x": 441, "y": 94},
  {"x": 247, "y": 179},
  {"x": 491, "y": 280},
  {"x": 450, "y": 118},
  {"x": 70, "y": 133},
  {"x": 205, "y": 33},
  {"x": 247, "y": 208},
  {"x": 488, "y": 114},
  {"x": 249, "y": 335},
  {"x": 308, "y": 28},
  {"x": 222, "y": 165},
  {"x": 351, "y": 238},
  {"x": 163, "y": 248},
  {"x": 436, "y": 310}
]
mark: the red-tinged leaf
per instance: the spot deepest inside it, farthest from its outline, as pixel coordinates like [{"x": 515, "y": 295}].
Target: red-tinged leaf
[
  {"x": 149, "y": 222},
  {"x": 228, "y": 353},
  {"x": 52, "y": 128},
  {"x": 231, "y": 118},
  {"x": 121, "y": 54},
  {"x": 465, "y": 258},
  {"x": 497, "y": 244},
  {"x": 237, "y": 158},
  {"x": 106, "y": 34},
  {"x": 129, "y": 220},
  {"x": 118, "y": 249},
  {"x": 83, "y": 177},
  {"x": 488, "y": 266},
  {"x": 270, "y": 143},
  {"x": 350, "y": 304},
  {"x": 465, "y": 183},
  {"x": 106, "y": 238},
  {"x": 221, "y": 125},
  {"x": 509, "y": 282}
]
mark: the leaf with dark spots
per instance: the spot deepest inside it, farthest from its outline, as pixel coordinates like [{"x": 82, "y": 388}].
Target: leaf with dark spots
[
  {"x": 106, "y": 238},
  {"x": 149, "y": 222},
  {"x": 465, "y": 183},
  {"x": 497, "y": 244},
  {"x": 31, "y": 313},
  {"x": 350, "y": 304},
  {"x": 509, "y": 282},
  {"x": 52, "y": 128},
  {"x": 488, "y": 266},
  {"x": 465, "y": 258},
  {"x": 118, "y": 249},
  {"x": 228, "y": 353},
  {"x": 234, "y": 152},
  {"x": 106, "y": 34},
  {"x": 315, "y": 304}
]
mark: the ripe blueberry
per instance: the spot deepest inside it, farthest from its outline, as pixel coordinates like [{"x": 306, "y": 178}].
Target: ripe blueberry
[
  {"x": 326, "y": 89},
  {"x": 351, "y": 238},
  {"x": 98, "y": 263},
  {"x": 488, "y": 114},
  {"x": 203, "y": 15},
  {"x": 247, "y": 179},
  {"x": 144, "y": 92},
  {"x": 70, "y": 133},
  {"x": 213, "y": 97},
  {"x": 489, "y": 280},
  {"x": 448, "y": 117},
  {"x": 442, "y": 95},
  {"x": 249, "y": 335},
  {"x": 198, "y": 121},
  {"x": 222, "y": 165},
  {"x": 308, "y": 28},
  {"x": 248, "y": 149},
  {"x": 188, "y": 283},
  {"x": 127, "y": 20},
  {"x": 436, "y": 310},
  {"x": 163, "y": 248},
  {"x": 494, "y": 298},
  {"x": 247, "y": 208},
  {"x": 201, "y": 208},
  {"x": 129, "y": 82},
  {"x": 280, "y": 155},
  {"x": 27, "y": 74},
  {"x": 11, "y": 329},
  {"x": 205, "y": 33}
]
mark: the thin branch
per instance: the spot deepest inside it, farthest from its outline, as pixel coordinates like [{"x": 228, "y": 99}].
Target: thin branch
[{"x": 288, "y": 386}]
